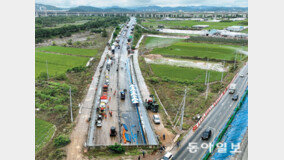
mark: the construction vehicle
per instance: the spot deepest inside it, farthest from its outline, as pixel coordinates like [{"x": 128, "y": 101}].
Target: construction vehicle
[
  {"x": 232, "y": 88},
  {"x": 151, "y": 104},
  {"x": 122, "y": 95},
  {"x": 112, "y": 131},
  {"x": 108, "y": 64},
  {"x": 99, "y": 121},
  {"x": 105, "y": 87},
  {"x": 112, "y": 49}
]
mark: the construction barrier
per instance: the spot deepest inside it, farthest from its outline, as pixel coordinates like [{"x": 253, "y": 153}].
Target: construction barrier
[{"x": 213, "y": 105}]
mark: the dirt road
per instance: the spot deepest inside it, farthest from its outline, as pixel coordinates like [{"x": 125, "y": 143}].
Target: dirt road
[{"x": 79, "y": 133}]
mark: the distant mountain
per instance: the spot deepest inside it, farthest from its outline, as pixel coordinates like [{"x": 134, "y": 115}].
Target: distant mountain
[
  {"x": 43, "y": 7},
  {"x": 189, "y": 9},
  {"x": 94, "y": 9},
  {"x": 117, "y": 9},
  {"x": 85, "y": 9}
]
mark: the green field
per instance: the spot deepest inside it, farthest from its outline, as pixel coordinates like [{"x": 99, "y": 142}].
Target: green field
[
  {"x": 200, "y": 50},
  {"x": 151, "y": 42},
  {"x": 190, "y": 23},
  {"x": 43, "y": 132},
  {"x": 69, "y": 50},
  {"x": 184, "y": 73},
  {"x": 57, "y": 64}
]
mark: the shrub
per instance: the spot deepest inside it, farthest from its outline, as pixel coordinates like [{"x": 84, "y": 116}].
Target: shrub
[
  {"x": 215, "y": 88},
  {"x": 104, "y": 34},
  {"x": 61, "y": 140},
  {"x": 154, "y": 80},
  {"x": 61, "y": 77},
  {"x": 117, "y": 148},
  {"x": 57, "y": 155},
  {"x": 77, "y": 69},
  {"x": 42, "y": 76},
  {"x": 60, "y": 108}
]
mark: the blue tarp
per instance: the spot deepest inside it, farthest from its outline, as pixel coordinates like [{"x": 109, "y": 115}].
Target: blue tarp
[
  {"x": 127, "y": 137},
  {"x": 125, "y": 127},
  {"x": 234, "y": 134}
]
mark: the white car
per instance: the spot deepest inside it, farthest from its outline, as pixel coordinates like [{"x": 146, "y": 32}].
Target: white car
[
  {"x": 156, "y": 119},
  {"x": 241, "y": 75},
  {"x": 168, "y": 156},
  {"x": 99, "y": 123}
]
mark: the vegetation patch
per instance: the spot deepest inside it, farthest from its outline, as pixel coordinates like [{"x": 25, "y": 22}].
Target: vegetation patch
[
  {"x": 56, "y": 64},
  {"x": 151, "y": 42},
  {"x": 197, "y": 50},
  {"x": 176, "y": 24},
  {"x": 43, "y": 133},
  {"x": 183, "y": 73},
  {"x": 69, "y": 50}
]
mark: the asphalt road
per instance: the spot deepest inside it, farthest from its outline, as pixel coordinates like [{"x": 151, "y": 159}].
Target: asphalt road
[
  {"x": 128, "y": 113},
  {"x": 215, "y": 120}
]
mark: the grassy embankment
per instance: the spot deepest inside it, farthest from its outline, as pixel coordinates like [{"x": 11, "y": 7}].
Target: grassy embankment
[{"x": 67, "y": 69}]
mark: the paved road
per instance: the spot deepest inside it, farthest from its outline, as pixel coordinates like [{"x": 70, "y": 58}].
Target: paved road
[
  {"x": 215, "y": 120},
  {"x": 128, "y": 113}
]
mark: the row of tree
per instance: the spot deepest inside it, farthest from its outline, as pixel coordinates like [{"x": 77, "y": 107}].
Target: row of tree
[{"x": 65, "y": 31}]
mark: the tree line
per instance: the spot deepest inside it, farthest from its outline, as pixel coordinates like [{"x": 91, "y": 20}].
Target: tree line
[{"x": 66, "y": 31}]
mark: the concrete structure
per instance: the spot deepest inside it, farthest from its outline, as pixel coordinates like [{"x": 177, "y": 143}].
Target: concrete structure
[
  {"x": 148, "y": 14},
  {"x": 200, "y": 26},
  {"x": 235, "y": 28}
]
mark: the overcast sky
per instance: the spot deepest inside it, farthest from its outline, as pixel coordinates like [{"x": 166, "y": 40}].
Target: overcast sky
[{"x": 134, "y": 3}]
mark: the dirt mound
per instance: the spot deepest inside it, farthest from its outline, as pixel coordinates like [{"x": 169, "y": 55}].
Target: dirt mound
[{"x": 154, "y": 56}]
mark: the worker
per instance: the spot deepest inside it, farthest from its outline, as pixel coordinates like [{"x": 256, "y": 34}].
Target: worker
[
  {"x": 164, "y": 136},
  {"x": 139, "y": 158},
  {"x": 143, "y": 152},
  {"x": 110, "y": 113},
  {"x": 178, "y": 142}
]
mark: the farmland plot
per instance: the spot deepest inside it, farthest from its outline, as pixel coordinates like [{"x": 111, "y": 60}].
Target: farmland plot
[
  {"x": 56, "y": 64},
  {"x": 43, "y": 132},
  {"x": 69, "y": 50},
  {"x": 200, "y": 50}
]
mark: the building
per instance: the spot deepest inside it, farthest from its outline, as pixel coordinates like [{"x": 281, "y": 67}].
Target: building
[
  {"x": 199, "y": 26},
  {"x": 235, "y": 28}
]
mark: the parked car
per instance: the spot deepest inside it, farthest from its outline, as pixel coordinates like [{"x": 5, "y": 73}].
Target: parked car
[
  {"x": 206, "y": 134},
  {"x": 156, "y": 119},
  {"x": 235, "y": 97},
  {"x": 241, "y": 75},
  {"x": 168, "y": 156}
]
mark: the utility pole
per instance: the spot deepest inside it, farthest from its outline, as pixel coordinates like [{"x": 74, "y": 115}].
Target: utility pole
[
  {"x": 182, "y": 110},
  {"x": 71, "y": 104},
  {"x": 223, "y": 71},
  {"x": 46, "y": 69},
  {"x": 206, "y": 71},
  {"x": 235, "y": 60},
  {"x": 207, "y": 88}
]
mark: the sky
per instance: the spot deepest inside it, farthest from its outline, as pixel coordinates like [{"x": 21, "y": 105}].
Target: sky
[{"x": 135, "y": 3}]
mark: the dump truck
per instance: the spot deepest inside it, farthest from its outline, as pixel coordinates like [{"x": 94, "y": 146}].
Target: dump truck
[
  {"x": 112, "y": 131},
  {"x": 122, "y": 95},
  {"x": 232, "y": 88}
]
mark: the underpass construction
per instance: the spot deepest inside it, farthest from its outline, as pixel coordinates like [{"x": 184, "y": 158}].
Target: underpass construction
[{"x": 118, "y": 102}]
